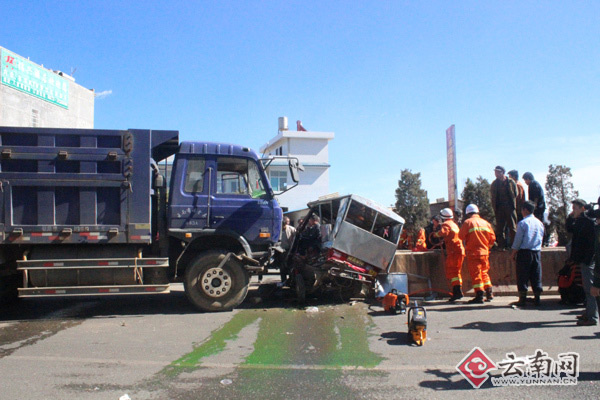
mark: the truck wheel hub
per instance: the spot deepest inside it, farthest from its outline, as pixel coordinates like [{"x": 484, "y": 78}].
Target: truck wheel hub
[{"x": 215, "y": 282}]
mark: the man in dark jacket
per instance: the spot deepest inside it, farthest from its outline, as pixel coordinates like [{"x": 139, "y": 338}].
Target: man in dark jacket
[
  {"x": 536, "y": 195},
  {"x": 504, "y": 200},
  {"x": 595, "y": 289},
  {"x": 582, "y": 253},
  {"x": 310, "y": 238}
]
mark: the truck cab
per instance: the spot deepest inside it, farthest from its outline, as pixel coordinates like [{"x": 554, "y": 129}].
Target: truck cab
[
  {"x": 87, "y": 212},
  {"x": 223, "y": 212},
  {"x": 222, "y": 188}
]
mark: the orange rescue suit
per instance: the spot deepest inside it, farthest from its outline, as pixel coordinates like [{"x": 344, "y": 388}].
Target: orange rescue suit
[
  {"x": 455, "y": 252},
  {"x": 479, "y": 238},
  {"x": 406, "y": 240},
  {"x": 421, "y": 244}
]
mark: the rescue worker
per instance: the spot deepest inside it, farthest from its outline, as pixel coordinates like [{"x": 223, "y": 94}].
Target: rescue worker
[
  {"x": 421, "y": 243},
  {"x": 455, "y": 252},
  {"x": 406, "y": 239},
  {"x": 411, "y": 241},
  {"x": 478, "y": 236}
]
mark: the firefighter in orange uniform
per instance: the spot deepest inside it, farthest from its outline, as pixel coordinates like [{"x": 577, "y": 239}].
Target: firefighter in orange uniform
[
  {"x": 421, "y": 243},
  {"x": 406, "y": 239},
  {"x": 455, "y": 252},
  {"x": 409, "y": 242},
  {"x": 479, "y": 238}
]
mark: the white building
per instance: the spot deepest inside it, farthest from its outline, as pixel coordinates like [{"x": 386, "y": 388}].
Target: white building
[
  {"x": 34, "y": 96},
  {"x": 311, "y": 148}
]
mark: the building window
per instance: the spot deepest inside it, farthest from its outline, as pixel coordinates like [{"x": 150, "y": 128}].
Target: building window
[
  {"x": 278, "y": 180},
  {"x": 35, "y": 118}
]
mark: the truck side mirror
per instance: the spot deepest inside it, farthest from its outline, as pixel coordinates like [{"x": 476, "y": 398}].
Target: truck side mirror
[{"x": 295, "y": 166}]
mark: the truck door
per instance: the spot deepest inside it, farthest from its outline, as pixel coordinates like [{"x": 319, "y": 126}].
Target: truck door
[
  {"x": 239, "y": 201},
  {"x": 189, "y": 200}
]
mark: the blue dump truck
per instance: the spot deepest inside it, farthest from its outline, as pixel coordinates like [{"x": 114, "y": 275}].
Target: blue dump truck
[{"x": 88, "y": 212}]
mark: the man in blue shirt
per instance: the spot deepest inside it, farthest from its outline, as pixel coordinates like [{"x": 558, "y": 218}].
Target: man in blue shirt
[{"x": 526, "y": 251}]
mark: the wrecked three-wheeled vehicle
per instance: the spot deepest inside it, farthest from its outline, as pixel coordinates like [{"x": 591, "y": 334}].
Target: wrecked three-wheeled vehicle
[{"x": 341, "y": 246}]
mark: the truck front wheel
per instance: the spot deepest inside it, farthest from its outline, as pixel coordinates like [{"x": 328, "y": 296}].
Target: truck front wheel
[{"x": 213, "y": 288}]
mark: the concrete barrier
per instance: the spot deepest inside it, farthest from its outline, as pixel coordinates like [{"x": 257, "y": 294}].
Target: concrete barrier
[{"x": 431, "y": 265}]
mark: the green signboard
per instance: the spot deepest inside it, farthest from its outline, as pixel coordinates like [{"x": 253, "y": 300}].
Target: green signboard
[{"x": 23, "y": 75}]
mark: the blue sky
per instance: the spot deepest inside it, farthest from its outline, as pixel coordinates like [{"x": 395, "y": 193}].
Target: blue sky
[{"x": 519, "y": 79}]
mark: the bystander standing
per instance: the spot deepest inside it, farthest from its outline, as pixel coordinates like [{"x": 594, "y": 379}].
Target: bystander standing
[
  {"x": 526, "y": 251},
  {"x": 287, "y": 237},
  {"x": 514, "y": 175},
  {"x": 582, "y": 253},
  {"x": 504, "y": 197}
]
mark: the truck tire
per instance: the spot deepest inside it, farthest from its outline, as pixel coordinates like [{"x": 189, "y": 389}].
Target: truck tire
[
  {"x": 350, "y": 290},
  {"x": 300, "y": 288},
  {"x": 210, "y": 288},
  {"x": 9, "y": 292}
]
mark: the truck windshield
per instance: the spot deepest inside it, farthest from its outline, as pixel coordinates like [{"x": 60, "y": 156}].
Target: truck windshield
[{"x": 239, "y": 176}]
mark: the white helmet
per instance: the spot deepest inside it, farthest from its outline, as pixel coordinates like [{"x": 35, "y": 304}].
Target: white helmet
[
  {"x": 446, "y": 213},
  {"x": 471, "y": 208}
]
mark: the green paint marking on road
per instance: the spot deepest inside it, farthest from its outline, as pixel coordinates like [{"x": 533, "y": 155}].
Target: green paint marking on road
[
  {"x": 272, "y": 346},
  {"x": 334, "y": 337},
  {"x": 354, "y": 337},
  {"x": 214, "y": 344},
  {"x": 291, "y": 343},
  {"x": 295, "y": 353}
]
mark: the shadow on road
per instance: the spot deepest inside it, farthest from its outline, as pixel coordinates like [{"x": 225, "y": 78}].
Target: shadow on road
[
  {"x": 174, "y": 303},
  {"x": 513, "y": 326},
  {"x": 594, "y": 336},
  {"x": 398, "y": 338},
  {"x": 546, "y": 305},
  {"x": 589, "y": 376},
  {"x": 267, "y": 297},
  {"x": 96, "y": 307},
  {"x": 445, "y": 383}
]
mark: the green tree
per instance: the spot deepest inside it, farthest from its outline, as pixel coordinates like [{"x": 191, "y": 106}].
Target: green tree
[
  {"x": 478, "y": 193},
  {"x": 560, "y": 192},
  {"x": 412, "y": 203}
]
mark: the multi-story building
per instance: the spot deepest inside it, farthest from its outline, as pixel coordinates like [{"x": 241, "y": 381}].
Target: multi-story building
[
  {"x": 311, "y": 148},
  {"x": 34, "y": 96}
]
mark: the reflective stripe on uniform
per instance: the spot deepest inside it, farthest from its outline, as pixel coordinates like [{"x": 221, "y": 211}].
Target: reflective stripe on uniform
[{"x": 479, "y": 229}]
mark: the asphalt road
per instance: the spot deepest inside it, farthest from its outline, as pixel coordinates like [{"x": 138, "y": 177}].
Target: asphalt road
[{"x": 159, "y": 347}]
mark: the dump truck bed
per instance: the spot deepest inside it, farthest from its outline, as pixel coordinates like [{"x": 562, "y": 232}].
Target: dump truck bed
[{"x": 78, "y": 185}]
